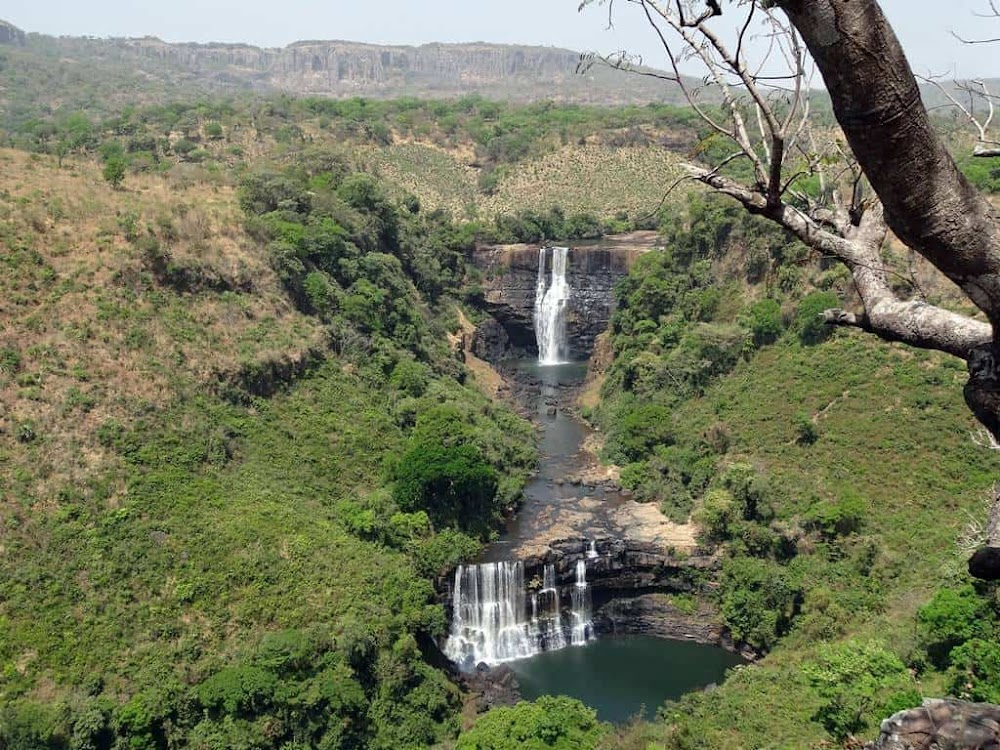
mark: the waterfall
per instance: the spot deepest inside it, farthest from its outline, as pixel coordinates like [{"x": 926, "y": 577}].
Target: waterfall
[
  {"x": 488, "y": 623},
  {"x": 554, "y": 637},
  {"x": 582, "y": 629},
  {"x": 550, "y": 308},
  {"x": 495, "y": 619},
  {"x": 592, "y": 549}
]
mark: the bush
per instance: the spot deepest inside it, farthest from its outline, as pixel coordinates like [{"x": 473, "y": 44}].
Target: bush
[
  {"x": 764, "y": 321},
  {"x": 716, "y": 515},
  {"x": 860, "y": 683},
  {"x": 840, "y": 517},
  {"x": 808, "y": 317},
  {"x": 759, "y": 600},
  {"x": 454, "y": 484},
  {"x": 975, "y": 671},
  {"x": 550, "y": 723},
  {"x": 952, "y": 617},
  {"x": 641, "y": 429},
  {"x": 806, "y": 430},
  {"x": 114, "y": 171}
]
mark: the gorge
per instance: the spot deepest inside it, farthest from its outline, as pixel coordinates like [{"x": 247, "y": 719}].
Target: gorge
[{"x": 581, "y": 564}]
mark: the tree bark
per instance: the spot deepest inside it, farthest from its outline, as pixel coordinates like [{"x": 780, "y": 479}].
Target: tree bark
[{"x": 929, "y": 204}]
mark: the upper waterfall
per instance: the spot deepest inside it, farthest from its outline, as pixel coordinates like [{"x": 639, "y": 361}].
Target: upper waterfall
[{"x": 550, "y": 308}]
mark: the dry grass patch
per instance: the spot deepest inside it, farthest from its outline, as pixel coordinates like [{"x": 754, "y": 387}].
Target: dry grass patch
[{"x": 89, "y": 336}]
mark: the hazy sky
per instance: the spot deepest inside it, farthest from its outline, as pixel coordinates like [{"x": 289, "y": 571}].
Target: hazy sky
[{"x": 922, "y": 25}]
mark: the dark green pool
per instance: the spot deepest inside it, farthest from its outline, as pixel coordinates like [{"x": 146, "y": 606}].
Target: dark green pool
[{"x": 623, "y": 676}]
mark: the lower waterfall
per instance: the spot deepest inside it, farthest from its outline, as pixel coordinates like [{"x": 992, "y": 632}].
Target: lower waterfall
[
  {"x": 495, "y": 619},
  {"x": 582, "y": 628}
]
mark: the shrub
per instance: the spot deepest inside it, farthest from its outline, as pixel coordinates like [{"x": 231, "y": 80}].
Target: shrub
[
  {"x": 764, "y": 321},
  {"x": 759, "y": 600},
  {"x": 975, "y": 670},
  {"x": 550, "y": 723},
  {"x": 840, "y": 517},
  {"x": 860, "y": 683},
  {"x": 806, "y": 430},
  {"x": 716, "y": 515},
  {"x": 454, "y": 484},
  {"x": 808, "y": 320},
  {"x": 952, "y": 617},
  {"x": 114, "y": 171},
  {"x": 641, "y": 429}
]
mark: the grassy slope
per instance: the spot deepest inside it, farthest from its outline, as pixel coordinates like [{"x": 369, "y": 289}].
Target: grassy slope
[
  {"x": 151, "y": 531},
  {"x": 598, "y": 179},
  {"x": 894, "y": 431}
]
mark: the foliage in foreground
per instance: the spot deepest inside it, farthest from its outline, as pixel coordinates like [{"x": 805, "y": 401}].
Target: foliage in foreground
[{"x": 549, "y": 723}]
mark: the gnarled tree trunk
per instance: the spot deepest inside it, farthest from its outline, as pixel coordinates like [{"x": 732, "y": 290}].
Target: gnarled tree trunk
[{"x": 928, "y": 203}]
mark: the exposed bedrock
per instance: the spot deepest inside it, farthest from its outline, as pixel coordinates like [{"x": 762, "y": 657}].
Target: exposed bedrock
[
  {"x": 944, "y": 724},
  {"x": 630, "y": 584},
  {"x": 510, "y": 279}
]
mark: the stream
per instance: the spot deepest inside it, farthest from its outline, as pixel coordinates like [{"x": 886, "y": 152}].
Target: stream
[{"x": 540, "y": 628}]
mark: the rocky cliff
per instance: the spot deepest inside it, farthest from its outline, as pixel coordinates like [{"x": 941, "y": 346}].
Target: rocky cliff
[
  {"x": 342, "y": 69},
  {"x": 510, "y": 277},
  {"x": 10, "y": 34}
]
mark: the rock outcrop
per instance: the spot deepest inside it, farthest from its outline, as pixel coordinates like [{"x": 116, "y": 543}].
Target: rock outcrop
[
  {"x": 10, "y": 34},
  {"x": 339, "y": 68},
  {"x": 630, "y": 584},
  {"x": 510, "y": 277},
  {"x": 623, "y": 566},
  {"x": 942, "y": 725}
]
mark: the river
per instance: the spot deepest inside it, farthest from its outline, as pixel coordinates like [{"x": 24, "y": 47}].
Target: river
[{"x": 619, "y": 676}]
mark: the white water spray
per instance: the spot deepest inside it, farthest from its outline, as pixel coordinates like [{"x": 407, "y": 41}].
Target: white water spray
[
  {"x": 582, "y": 629},
  {"x": 551, "y": 301},
  {"x": 495, "y": 619}
]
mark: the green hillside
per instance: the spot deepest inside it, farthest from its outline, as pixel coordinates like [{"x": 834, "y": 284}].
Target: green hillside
[
  {"x": 836, "y": 474},
  {"x": 209, "y": 414}
]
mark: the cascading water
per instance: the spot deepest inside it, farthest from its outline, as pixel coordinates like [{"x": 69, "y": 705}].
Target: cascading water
[
  {"x": 488, "y": 623},
  {"x": 491, "y": 621},
  {"x": 550, "y": 308},
  {"x": 582, "y": 629},
  {"x": 553, "y": 637},
  {"x": 592, "y": 549}
]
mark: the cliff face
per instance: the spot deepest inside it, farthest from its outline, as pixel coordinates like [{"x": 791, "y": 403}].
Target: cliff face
[
  {"x": 341, "y": 68},
  {"x": 510, "y": 278},
  {"x": 10, "y": 34}
]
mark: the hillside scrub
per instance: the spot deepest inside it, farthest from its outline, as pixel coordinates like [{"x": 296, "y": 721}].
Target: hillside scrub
[
  {"x": 244, "y": 566},
  {"x": 806, "y": 459}
]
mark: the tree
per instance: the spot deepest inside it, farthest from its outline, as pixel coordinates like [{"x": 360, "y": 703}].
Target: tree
[
  {"x": 114, "y": 171},
  {"x": 550, "y": 723},
  {"x": 895, "y": 172}
]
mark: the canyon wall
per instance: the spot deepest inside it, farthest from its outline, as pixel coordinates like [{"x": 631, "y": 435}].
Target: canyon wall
[{"x": 510, "y": 278}]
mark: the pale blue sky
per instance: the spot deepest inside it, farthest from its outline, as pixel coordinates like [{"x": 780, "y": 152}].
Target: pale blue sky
[{"x": 923, "y": 25}]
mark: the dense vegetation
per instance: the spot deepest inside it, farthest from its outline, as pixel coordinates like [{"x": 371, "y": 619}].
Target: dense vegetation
[
  {"x": 237, "y": 447},
  {"x": 255, "y": 569},
  {"x": 832, "y": 472}
]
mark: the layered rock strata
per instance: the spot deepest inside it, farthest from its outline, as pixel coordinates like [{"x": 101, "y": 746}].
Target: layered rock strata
[{"x": 510, "y": 278}]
